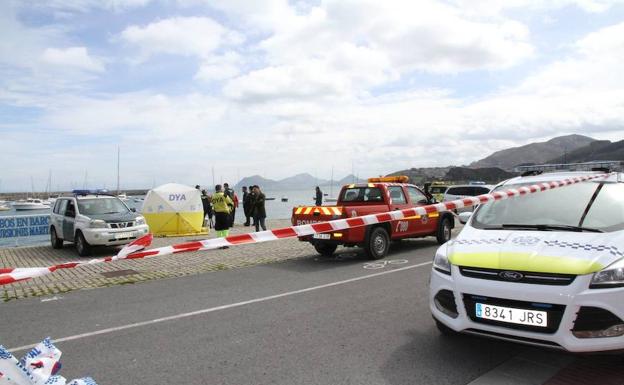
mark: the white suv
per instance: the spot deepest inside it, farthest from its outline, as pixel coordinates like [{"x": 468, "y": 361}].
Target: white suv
[
  {"x": 89, "y": 219},
  {"x": 545, "y": 269}
]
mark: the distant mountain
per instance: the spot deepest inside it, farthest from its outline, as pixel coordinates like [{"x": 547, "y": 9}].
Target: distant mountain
[
  {"x": 297, "y": 182},
  {"x": 489, "y": 175},
  {"x": 534, "y": 153},
  {"x": 265, "y": 184},
  {"x": 347, "y": 180},
  {"x": 419, "y": 176},
  {"x": 598, "y": 150}
]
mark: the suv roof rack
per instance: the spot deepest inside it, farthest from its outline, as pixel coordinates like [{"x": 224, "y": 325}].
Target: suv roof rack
[{"x": 604, "y": 166}]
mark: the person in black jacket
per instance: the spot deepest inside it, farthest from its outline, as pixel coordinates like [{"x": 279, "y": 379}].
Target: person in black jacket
[
  {"x": 207, "y": 207},
  {"x": 258, "y": 210},
  {"x": 319, "y": 196},
  {"x": 246, "y": 205}
]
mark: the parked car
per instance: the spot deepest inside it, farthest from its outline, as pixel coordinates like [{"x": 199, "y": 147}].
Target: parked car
[
  {"x": 465, "y": 190},
  {"x": 545, "y": 269},
  {"x": 90, "y": 218}
]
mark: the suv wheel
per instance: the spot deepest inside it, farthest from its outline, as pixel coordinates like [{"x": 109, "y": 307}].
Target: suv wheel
[
  {"x": 56, "y": 242},
  {"x": 82, "y": 246},
  {"x": 377, "y": 243},
  {"x": 444, "y": 231},
  {"x": 445, "y": 330},
  {"x": 325, "y": 249}
]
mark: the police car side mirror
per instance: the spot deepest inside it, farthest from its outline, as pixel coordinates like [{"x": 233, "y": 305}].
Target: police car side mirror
[{"x": 465, "y": 217}]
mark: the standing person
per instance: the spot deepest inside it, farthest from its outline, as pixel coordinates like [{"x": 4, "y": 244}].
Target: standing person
[
  {"x": 234, "y": 207},
  {"x": 259, "y": 212},
  {"x": 246, "y": 202},
  {"x": 207, "y": 208},
  {"x": 319, "y": 196},
  {"x": 221, "y": 204},
  {"x": 252, "y": 198},
  {"x": 228, "y": 191}
]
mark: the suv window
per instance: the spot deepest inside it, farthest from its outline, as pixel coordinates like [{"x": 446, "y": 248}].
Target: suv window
[
  {"x": 362, "y": 194},
  {"x": 416, "y": 196},
  {"x": 396, "y": 194},
  {"x": 95, "y": 206},
  {"x": 460, "y": 190},
  {"x": 480, "y": 190},
  {"x": 71, "y": 209},
  {"x": 60, "y": 206}
]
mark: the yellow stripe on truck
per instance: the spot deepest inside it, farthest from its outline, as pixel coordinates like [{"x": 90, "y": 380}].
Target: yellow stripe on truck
[
  {"x": 325, "y": 211},
  {"x": 336, "y": 211},
  {"x": 307, "y": 210},
  {"x": 526, "y": 262},
  {"x": 299, "y": 210}
]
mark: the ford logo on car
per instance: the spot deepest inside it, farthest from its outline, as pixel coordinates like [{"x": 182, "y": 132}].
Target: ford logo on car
[{"x": 511, "y": 275}]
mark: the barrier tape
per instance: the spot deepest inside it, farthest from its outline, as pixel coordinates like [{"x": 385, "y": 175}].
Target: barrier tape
[{"x": 135, "y": 250}]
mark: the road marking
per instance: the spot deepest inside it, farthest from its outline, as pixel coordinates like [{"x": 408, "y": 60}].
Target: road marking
[
  {"x": 55, "y": 298},
  {"x": 382, "y": 264},
  {"x": 222, "y": 307}
]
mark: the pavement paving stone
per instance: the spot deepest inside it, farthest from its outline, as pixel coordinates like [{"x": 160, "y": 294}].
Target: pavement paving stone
[{"x": 159, "y": 267}]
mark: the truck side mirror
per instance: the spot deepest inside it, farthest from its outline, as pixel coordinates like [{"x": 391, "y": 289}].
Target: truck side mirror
[{"x": 133, "y": 210}]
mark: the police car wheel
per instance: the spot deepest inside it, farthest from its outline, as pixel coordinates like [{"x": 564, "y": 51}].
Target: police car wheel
[
  {"x": 444, "y": 231},
  {"x": 325, "y": 249},
  {"x": 82, "y": 246},
  {"x": 377, "y": 243},
  {"x": 54, "y": 240}
]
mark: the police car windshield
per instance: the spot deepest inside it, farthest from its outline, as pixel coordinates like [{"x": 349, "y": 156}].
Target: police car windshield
[
  {"x": 590, "y": 205},
  {"x": 98, "y": 206}
]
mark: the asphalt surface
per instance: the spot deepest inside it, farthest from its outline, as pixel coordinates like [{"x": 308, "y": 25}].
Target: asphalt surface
[{"x": 312, "y": 321}]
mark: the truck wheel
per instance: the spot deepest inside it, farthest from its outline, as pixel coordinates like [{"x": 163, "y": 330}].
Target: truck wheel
[
  {"x": 54, "y": 240},
  {"x": 377, "y": 243},
  {"x": 325, "y": 249},
  {"x": 82, "y": 246},
  {"x": 444, "y": 231}
]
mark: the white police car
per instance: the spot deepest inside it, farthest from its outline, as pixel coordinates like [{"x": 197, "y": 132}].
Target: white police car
[
  {"x": 546, "y": 269},
  {"x": 90, "y": 218}
]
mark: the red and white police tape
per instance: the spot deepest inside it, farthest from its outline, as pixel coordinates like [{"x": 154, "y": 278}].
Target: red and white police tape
[{"x": 135, "y": 250}]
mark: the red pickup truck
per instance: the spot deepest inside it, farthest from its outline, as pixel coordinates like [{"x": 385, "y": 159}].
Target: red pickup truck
[{"x": 379, "y": 195}]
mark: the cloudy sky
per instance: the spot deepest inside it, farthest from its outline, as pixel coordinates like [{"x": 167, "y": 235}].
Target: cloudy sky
[{"x": 277, "y": 88}]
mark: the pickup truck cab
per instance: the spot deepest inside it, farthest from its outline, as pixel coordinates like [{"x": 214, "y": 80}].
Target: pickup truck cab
[
  {"x": 379, "y": 195},
  {"x": 94, "y": 218}
]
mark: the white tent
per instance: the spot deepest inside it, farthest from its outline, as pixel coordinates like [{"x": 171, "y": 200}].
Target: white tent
[{"x": 174, "y": 209}]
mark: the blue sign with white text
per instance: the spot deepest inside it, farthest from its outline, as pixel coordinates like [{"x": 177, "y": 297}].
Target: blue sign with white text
[{"x": 24, "y": 226}]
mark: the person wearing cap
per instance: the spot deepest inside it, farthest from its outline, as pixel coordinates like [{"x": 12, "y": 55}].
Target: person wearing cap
[{"x": 221, "y": 205}]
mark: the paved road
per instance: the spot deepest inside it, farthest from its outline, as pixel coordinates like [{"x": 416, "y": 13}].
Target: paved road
[{"x": 306, "y": 321}]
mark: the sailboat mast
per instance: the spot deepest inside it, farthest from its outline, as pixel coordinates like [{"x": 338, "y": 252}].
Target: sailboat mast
[
  {"x": 117, "y": 170},
  {"x": 331, "y": 184}
]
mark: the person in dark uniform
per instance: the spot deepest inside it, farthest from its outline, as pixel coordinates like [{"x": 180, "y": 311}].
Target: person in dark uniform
[
  {"x": 259, "y": 212},
  {"x": 319, "y": 196},
  {"x": 252, "y": 197},
  {"x": 246, "y": 205},
  {"x": 207, "y": 207}
]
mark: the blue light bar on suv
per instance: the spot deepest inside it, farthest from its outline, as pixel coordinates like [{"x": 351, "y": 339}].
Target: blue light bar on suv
[{"x": 90, "y": 192}]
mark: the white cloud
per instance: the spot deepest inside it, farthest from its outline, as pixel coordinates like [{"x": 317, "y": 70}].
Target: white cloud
[
  {"x": 74, "y": 57},
  {"x": 220, "y": 67},
  {"x": 188, "y": 36}
]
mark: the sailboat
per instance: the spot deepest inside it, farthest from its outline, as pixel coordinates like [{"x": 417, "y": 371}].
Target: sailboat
[{"x": 331, "y": 197}]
